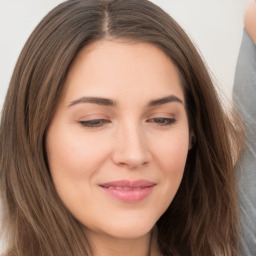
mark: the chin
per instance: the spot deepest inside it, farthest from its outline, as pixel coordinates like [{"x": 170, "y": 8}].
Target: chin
[{"x": 130, "y": 230}]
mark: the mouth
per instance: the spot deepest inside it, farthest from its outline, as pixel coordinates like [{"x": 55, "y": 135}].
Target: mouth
[{"x": 128, "y": 191}]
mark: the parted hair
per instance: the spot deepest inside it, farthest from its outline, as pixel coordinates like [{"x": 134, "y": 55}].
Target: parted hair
[{"x": 202, "y": 218}]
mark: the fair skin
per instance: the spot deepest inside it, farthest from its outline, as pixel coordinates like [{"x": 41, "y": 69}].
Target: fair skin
[
  {"x": 250, "y": 21},
  {"x": 118, "y": 143}
]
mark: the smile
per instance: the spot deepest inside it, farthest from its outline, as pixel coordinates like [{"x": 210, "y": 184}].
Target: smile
[{"x": 128, "y": 191}]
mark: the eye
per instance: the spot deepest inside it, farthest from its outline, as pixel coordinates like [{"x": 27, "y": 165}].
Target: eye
[
  {"x": 94, "y": 123},
  {"x": 162, "y": 121}
]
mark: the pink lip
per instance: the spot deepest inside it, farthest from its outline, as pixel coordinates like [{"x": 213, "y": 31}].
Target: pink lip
[{"x": 128, "y": 191}]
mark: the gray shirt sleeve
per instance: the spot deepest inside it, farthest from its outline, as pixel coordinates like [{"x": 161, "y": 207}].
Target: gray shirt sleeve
[{"x": 244, "y": 94}]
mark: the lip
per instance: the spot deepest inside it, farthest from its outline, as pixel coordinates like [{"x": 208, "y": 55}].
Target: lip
[{"x": 127, "y": 190}]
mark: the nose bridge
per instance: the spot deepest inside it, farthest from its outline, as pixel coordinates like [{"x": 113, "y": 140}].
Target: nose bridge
[{"x": 131, "y": 145}]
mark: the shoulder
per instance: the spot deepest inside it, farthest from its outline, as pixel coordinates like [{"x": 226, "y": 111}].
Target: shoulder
[{"x": 250, "y": 20}]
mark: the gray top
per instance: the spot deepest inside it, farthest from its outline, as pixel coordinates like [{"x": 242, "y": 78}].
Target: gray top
[{"x": 245, "y": 99}]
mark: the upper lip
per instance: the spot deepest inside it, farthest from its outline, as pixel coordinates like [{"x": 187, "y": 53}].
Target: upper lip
[{"x": 128, "y": 183}]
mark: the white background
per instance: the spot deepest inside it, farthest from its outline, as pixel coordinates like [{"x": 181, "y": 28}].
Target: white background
[{"x": 215, "y": 26}]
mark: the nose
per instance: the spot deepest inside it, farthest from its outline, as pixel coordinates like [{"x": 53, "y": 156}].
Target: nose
[{"x": 131, "y": 149}]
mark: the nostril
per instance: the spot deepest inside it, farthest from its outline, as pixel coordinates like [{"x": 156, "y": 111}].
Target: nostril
[
  {"x": 131, "y": 152},
  {"x": 132, "y": 166}
]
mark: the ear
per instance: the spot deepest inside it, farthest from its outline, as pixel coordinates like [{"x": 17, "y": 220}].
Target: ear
[{"x": 192, "y": 139}]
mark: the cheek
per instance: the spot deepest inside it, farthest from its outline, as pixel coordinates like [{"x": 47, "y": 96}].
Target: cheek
[
  {"x": 73, "y": 161},
  {"x": 172, "y": 152},
  {"x": 71, "y": 153},
  {"x": 171, "y": 155}
]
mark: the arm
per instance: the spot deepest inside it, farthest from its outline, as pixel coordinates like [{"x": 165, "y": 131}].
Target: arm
[{"x": 250, "y": 21}]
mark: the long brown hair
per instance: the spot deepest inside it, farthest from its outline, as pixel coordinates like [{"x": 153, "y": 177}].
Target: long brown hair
[{"x": 201, "y": 220}]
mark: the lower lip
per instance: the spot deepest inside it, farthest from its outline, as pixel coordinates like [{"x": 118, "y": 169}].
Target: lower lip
[{"x": 129, "y": 195}]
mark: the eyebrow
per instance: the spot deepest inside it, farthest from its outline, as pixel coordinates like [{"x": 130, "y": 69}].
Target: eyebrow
[
  {"x": 165, "y": 100},
  {"x": 94, "y": 100},
  {"x": 111, "y": 103}
]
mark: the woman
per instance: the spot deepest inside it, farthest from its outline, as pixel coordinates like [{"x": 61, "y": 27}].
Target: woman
[{"x": 113, "y": 140}]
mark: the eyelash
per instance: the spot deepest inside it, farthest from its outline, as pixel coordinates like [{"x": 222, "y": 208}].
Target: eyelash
[
  {"x": 95, "y": 123},
  {"x": 162, "y": 121}
]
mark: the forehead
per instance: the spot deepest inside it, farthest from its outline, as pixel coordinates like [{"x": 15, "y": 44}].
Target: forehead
[{"x": 120, "y": 68}]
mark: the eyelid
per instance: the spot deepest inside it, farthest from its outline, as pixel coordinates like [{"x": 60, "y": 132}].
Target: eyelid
[
  {"x": 91, "y": 116},
  {"x": 162, "y": 114},
  {"x": 162, "y": 121},
  {"x": 94, "y": 123}
]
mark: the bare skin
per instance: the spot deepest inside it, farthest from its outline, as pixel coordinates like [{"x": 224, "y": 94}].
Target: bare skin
[{"x": 250, "y": 21}]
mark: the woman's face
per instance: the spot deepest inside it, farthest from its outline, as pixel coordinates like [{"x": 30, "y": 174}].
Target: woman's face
[{"x": 118, "y": 142}]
